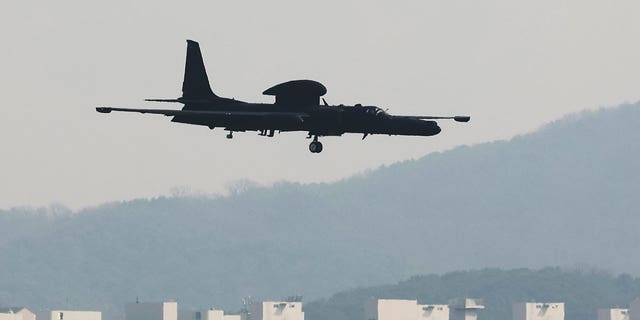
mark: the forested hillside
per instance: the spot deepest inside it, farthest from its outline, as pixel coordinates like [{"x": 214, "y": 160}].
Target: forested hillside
[
  {"x": 562, "y": 196},
  {"x": 583, "y": 292}
]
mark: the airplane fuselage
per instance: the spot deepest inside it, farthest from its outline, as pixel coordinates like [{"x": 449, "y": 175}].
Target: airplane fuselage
[{"x": 321, "y": 120}]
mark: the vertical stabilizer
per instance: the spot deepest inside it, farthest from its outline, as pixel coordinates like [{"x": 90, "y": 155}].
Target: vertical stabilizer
[{"x": 196, "y": 82}]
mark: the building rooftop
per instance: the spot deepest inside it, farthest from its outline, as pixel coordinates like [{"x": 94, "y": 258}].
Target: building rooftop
[{"x": 468, "y": 303}]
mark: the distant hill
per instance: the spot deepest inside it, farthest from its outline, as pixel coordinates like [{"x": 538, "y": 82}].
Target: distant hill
[
  {"x": 564, "y": 195},
  {"x": 583, "y": 292}
]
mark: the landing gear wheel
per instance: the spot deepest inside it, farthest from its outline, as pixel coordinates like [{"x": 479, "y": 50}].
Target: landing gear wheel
[{"x": 315, "y": 147}]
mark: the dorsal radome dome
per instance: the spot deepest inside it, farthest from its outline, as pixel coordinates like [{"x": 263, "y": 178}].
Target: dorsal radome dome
[
  {"x": 297, "y": 88},
  {"x": 297, "y": 94}
]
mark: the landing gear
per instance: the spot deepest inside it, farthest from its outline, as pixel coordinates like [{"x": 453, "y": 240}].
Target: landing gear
[
  {"x": 271, "y": 133},
  {"x": 315, "y": 146},
  {"x": 230, "y": 135}
]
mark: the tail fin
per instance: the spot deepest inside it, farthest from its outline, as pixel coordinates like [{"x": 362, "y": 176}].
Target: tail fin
[{"x": 196, "y": 82}]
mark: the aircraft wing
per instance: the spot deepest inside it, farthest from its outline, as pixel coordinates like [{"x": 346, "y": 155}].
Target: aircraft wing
[
  {"x": 455, "y": 118},
  {"x": 172, "y": 113}
]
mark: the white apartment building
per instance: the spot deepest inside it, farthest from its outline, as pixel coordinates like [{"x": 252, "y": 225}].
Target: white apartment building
[
  {"x": 16, "y": 313},
  {"x": 613, "y": 314},
  {"x": 69, "y": 315},
  {"x": 210, "y": 314},
  {"x": 433, "y": 312},
  {"x": 10, "y": 316},
  {"x": 538, "y": 311},
  {"x": 396, "y": 309},
  {"x": 392, "y": 309},
  {"x": 275, "y": 310},
  {"x": 151, "y": 311}
]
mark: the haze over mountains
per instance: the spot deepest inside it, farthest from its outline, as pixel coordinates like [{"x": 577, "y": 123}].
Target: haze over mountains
[
  {"x": 563, "y": 195},
  {"x": 582, "y": 291}
]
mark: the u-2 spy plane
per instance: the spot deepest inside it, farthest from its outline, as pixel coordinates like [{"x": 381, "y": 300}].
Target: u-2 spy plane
[{"x": 297, "y": 108}]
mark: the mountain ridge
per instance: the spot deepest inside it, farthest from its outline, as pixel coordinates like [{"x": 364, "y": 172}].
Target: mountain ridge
[{"x": 563, "y": 195}]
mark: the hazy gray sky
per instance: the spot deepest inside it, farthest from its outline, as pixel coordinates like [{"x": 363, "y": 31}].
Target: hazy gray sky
[{"x": 511, "y": 65}]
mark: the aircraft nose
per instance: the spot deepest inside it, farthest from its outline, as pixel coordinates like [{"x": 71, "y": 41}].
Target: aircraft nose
[
  {"x": 436, "y": 129},
  {"x": 430, "y": 128}
]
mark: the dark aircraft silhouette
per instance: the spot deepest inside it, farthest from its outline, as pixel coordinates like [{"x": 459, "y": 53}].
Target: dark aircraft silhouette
[{"x": 297, "y": 108}]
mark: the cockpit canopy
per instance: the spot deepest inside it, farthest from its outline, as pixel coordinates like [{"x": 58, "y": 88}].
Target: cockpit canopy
[{"x": 373, "y": 110}]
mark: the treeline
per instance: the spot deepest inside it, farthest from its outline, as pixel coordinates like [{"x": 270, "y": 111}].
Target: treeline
[{"x": 583, "y": 292}]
